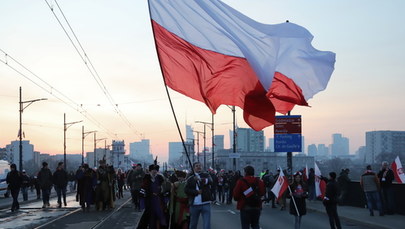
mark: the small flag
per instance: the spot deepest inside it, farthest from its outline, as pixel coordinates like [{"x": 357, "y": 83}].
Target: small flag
[
  {"x": 398, "y": 171},
  {"x": 281, "y": 185}
]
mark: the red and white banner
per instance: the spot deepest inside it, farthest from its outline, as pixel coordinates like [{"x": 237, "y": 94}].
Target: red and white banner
[
  {"x": 320, "y": 185},
  {"x": 281, "y": 185},
  {"x": 398, "y": 171},
  {"x": 214, "y": 54}
]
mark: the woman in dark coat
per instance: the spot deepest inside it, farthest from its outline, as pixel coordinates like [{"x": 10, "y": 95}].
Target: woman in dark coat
[
  {"x": 87, "y": 179},
  {"x": 298, "y": 193}
]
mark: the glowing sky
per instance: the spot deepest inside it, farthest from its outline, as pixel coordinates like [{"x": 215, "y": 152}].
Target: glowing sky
[{"x": 365, "y": 92}]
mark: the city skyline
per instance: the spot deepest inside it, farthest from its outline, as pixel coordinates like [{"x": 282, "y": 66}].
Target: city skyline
[{"x": 363, "y": 94}]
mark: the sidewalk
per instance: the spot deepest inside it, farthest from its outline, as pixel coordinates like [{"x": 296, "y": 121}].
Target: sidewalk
[{"x": 361, "y": 216}]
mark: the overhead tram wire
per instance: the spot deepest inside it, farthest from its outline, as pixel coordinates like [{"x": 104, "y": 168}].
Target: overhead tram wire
[
  {"x": 92, "y": 70},
  {"x": 75, "y": 106}
]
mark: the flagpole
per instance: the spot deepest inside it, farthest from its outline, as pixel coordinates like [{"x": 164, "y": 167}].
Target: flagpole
[
  {"x": 168, "y": 96},
  {"x": 292, "y": 197}
]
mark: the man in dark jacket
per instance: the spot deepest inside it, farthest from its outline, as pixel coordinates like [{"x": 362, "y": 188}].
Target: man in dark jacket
[
  {"x": 14, "y": 184},
  {"x": 25, "y": 185},
  {"x": 60, "y": 180},
  {"x": 246, "y": 188},
  {"x": 330, "y": 201},
  {"x": 45, "y": 181},
  {"x": 135, "y": 179},
  {"x": 386, "y": 176},
  {"x": 198, "y": 189}
]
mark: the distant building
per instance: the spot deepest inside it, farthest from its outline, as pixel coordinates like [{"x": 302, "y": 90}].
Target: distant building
[
  {"x": 189, "y": 133},
  {"x": 219, "y": 142},
  {"x": 260, "y": 161},
  {"x": 13, "y": 150},
  {"x": 340, "y": 145},
  {"x": 140, "y": 151},
  {"x": 118, "y": 153},
  {"x": 271, "y": 145},
  {"x": 379, "y": 142},
  {"x": 312, "y": 150},
  {"x": 175, "y": 152},
  {"x": 323, "y": 151},
  {"x": 249, "y": 140}
]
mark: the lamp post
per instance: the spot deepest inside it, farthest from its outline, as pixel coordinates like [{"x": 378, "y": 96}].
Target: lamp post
[
  {"x": 84, "y": 134},
  {"x": 212, "y": 129},
  {"x": 20, "y": 133},
  {"x": 234, "y": 135},
  {"x": 65, "y": 127},
  {"x": 198, "y": 144}
]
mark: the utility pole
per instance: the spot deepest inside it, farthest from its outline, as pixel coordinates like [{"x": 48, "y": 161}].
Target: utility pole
[
  {"x": 20, "y": 132},
  {"x": 213, "y": 143},
  {"x": 95, "y": 145},
  {"x": 198, "y": 144},
  {"x": 65, "y": 127},
  {"x": 204, "y": 153},
  {"x": 84, "y": 134},
  {"x": 234, "y": 137}
]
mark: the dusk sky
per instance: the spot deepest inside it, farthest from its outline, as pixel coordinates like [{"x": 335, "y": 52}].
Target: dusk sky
[{"x": 365, "y": 93}]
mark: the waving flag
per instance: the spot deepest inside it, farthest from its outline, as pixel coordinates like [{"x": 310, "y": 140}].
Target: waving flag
[
  {"x": 320, "y": 185},
  {"x": 281, "y": 185},
  {"x": 305, "y": 175},
  {"x": 398, "y": 170},
  {"x": 214, "y": 54}
]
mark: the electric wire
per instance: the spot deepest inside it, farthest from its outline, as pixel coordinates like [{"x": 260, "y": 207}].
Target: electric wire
[
  {"x": 92, "y": 70},
  {"x": 75, "y": 106}
]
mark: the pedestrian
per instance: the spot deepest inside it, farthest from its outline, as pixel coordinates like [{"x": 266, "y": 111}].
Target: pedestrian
[
  {"x": 60, "y": 181},
  {"x": 268, "y": 180},
  {"x": 104, "y": 192},
  {"x": 135, "y": 179},
  {"x": 14, "y": 182},
  {"x": 298, "y": 193},
  {"x": 248, "y": 193},
  {"x": 120, "y": 183},
  {"x": 344, "y": 182},
  {"x": 179, "y": 210},
  {"x": 386, "y": 176},
  {"x": 37, "y": 187},
  {"x": 45, "y": 182},
  {"x": 330, "y": 201},
  {"x": 155, "y": 214},
  {"x": 311, "y": 185},
  {"x": 371, "y": 187},
  {"x": 87, "y": 181},
  {"x": 199, "y": 193},
  {"x": 25, "y": 184}
]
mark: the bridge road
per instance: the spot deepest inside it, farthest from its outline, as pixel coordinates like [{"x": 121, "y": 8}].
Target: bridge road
[{"x": 226, "y": 216}]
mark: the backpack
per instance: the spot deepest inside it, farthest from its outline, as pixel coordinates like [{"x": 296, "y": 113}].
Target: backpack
[{"x": 253, "y": 200}]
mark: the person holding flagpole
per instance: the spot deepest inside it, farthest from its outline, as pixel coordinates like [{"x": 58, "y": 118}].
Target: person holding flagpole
[
  {"x": 298, "y": 192},
  {"x": 386, "y": 176}
]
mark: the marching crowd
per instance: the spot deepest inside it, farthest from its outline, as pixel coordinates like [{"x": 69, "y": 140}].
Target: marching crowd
[{"x": 178, "y": 199}]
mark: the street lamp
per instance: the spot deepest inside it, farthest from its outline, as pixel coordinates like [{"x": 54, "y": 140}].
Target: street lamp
[
  {"x": 65, "y": 127},
  {"x": 198, "y": 144},
  {"x": 20, "y": 133},
  {"x": 212, "y": 129},
  {"x": 234, "y": 136},
  {"x": 84, "y": 134}
]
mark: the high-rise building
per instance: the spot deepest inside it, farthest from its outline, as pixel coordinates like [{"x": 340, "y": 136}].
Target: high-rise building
[
  {"x": 189, "y": 134},
  {"x": 140, "y": 151},
  {"x": 219, "y": 142},
  {"x": 323, "y": 150},
  {"x": 312, "y": 150},
  {"x": 175, "y": 151},
  {"x": 340, "y": 145},
  {"x": 379, "y": 142},
  {"x": 117, "y": 154},
  {"x": 13, "y": 150},
  {"x": 249, "y": 140},
  {"x": 271, "y": 145}
]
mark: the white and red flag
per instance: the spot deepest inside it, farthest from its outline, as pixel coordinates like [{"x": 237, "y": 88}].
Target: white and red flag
[
  {"x": 320, "y": 185},
  {"x": 281, "y": 185},
  {"x": 214, "y": 54},
  {"x": 398, "y": 170}
]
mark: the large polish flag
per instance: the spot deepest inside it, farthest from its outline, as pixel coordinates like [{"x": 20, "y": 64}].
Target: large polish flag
[
  {"x": 320, "y": 185},
  {"x": 214, "y": 54},
  {"x": 398, "y": 170},
  {"x": 281, "y": 185}
]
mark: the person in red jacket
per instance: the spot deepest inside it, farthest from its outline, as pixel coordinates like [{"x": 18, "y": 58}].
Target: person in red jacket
[{"x": 249, "y": 192}]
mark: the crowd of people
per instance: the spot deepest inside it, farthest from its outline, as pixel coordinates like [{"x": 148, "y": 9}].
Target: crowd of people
[{"x": 179, "y": 198}]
